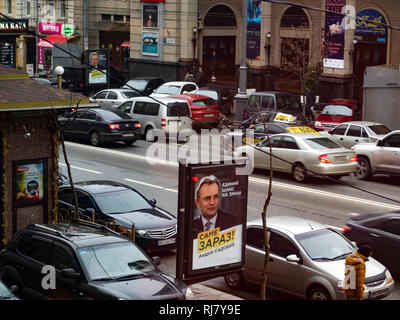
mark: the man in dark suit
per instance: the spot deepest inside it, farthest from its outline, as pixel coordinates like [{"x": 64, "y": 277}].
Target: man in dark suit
[{"x": 207, "y": 200}]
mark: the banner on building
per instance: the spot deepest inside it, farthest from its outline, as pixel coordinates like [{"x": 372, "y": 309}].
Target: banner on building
[
  {"x": 150, "y": 16},
  {"x": 253, "y": 29},
  {"x": 150, "y": 43},
  {"x": 334, "y": 34}
]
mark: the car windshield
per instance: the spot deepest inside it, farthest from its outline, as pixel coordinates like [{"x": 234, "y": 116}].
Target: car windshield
[
  {"x": 379, "y": 129},
  {"x": 208, "y": 93},
  {"x": 337, "y": 110},
  {"x": 4, "y": 292},
  {"x": 113, "y": 115},
  {"x": 121, "y": 201},
  {"x": 203, "y": 102},
  {"x": 288, "y": 103},
  {"x": 325, "y": 245},
  {"x": 114, "y": 261},
  {"x": 322, "y": 143},
  {"x": 130, "y": 94},
  {"x": 137, "y": 84},
  {"x": 168, "y": 89}
]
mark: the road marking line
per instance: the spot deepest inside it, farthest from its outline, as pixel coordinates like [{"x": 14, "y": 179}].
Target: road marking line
[
  {"x": 326, "y": 193},
  {"x": 172, "y": 190},
  {"x": 78, "y": 168},
  {"x": 144, "y": 183}
]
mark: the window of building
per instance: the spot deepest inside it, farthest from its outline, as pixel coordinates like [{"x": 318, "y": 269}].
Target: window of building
[
  {"x": 127, "y": 18},
  {"x": 63, "y": 9},
  {"x": 27, "y": 8},
  {"x": 8, "y": 6},
  {"x": 220, "y": 16},
  {"x": 118, "y": 17},
  {"x": 294, "y": 17},
  {"x": 106, "y": 17}
]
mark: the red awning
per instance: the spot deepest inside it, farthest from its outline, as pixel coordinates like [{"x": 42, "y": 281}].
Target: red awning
[
  {"x": 53, "y": 38},
  {"x": 125, "y": 44},
  {"x": 45, "y": 44}
]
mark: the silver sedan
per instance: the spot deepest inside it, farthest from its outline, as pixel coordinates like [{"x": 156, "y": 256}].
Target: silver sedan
[
  {"x": 113, "y": 97},
  {"x": 301, "y": 155},
  {"x": 307, "y": 259}
]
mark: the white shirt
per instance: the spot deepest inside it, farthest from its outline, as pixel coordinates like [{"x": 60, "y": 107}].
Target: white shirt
[{"x": 213, "y": 221}]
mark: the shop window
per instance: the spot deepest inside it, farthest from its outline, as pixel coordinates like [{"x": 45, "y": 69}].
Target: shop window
[
  {"x": 220, "y": 16},
  {"x": 294, "y": 17}
]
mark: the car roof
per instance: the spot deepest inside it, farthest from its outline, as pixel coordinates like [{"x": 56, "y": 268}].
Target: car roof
[
  {"x": 98, "y": 186},
  {"x": 164, "y": 100},
  {"x": 81, "y": 233},
  {"x": 282, "y": 93},
  {"x": 145, "y": 78},
  {"x": 301, "y": 135},
  {"x": 190, "y": 96},
  {"x": 362, "y": 123},
  {"x": 289, "y": 224},
  {"x": 178, "y": 83}
]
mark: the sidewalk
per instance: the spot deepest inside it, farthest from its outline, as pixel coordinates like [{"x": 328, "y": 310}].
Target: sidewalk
[{"x": 202, "y": 292}]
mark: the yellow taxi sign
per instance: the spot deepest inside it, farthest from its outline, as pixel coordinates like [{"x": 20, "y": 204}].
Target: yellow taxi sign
[
  {"x": 302, "y": 130},
  {"x": 250, "y": 141},
  {"x": 283, "y": 117}
]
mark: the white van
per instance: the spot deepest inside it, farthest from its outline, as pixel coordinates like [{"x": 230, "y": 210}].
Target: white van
[{"x": 168, "y": 114}]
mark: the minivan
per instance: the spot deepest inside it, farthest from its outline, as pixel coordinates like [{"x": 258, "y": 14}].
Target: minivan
[
  {"x": 275, "y": 104},
  {"x": 170, "y": 115}
]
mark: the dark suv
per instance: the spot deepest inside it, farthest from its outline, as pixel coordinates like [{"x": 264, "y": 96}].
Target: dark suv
[{"x": 90, "y": 262}]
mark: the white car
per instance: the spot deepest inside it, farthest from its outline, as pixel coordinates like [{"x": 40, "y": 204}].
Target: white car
[
  {"x": 307, "y": 259},
  {"x": 352, "y": 132},
  {"x": 302, "y": 155},
  {"x": 173, "y": 88},
  {"x": 113, "y": 97}
]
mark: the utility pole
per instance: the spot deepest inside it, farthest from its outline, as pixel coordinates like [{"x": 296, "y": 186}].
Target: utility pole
[
  {"x": 241, "y": 97},
  {"x": 85, "y": 25},
  {"x": 37, "y": 38}
]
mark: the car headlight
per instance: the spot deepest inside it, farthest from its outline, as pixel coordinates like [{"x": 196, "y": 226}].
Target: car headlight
[
  {"x": 189, "y": 294},
  {"x": 389, "y": 277},
  {"x": 141, "y": 232},
  {"x": 318, "y": 123}
]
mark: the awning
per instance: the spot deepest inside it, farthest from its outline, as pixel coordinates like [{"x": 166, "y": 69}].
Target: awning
[
  {"x": 45, "y": 44},
  {"x": 53, "y": 38},
  {"x": 125, "y": 44}
]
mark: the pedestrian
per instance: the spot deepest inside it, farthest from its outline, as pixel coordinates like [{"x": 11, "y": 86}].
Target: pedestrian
[
  {"x": 355, "y": 272},
  {"x": 213, "y": 64},
  {"x": 310, "y": 100},
  {"x": 201, "y": 78},
  {"x": 189, "y": 77}
]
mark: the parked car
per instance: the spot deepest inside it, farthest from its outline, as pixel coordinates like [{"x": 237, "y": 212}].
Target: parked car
[
  {"x": 146, "y": 85},
  {"x": 276, "y": 105},
  {"x": 382, "y": 232},
  {"x": 307, "y": 259},
  {"x": 350, "y": 133},
  {"x": 258, "y": 132},
  {"x": 171, "y": 115},
  {"x": 301, "y": 155},
  {"x": 100, "y": 125},
  {"x": 113, "y": 97},
  {"x": 174, "y": 87},
  {"x": 336, "y": 112},
  {"x": 382, "y": 156},
  {"x": 6, "y": 293},
  {"x": 205, "y": 112},
  {"x": 223, "y": 97},
  {"x": 155, "y": 228},
  {"x": 91, "y": 262}
]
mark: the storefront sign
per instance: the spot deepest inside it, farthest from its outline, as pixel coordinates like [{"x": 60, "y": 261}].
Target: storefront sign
[
  {"x": 40, "y": 57},
  {"x": 370, "y": 22},
  {"x": 7, "y": 53},
  {"x": 56, "y": 28},
  {"x": 253, "y": 29},
  {"x": 18, "y": 26}
]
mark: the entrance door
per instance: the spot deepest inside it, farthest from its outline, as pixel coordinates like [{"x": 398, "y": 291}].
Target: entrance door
[{"x": 225, "y": 56}]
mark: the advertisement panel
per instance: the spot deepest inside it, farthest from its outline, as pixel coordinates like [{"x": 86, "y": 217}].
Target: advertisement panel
[
  {"x": 150, "y": 16},
  {"x": 253, "y": 29},
  {"x": 98, "y": 61},
  {"x": 214, "y": 220},
  {"x": 334, "y": 34},
  {"x": 150, "y": 43}
]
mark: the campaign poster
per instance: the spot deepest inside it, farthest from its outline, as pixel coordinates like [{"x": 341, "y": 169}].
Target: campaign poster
[
  {"x": 219, "y": 215},
  {"x": 29, "y": 182},
  {"x": 334, "y": 34},
  {"x": 150, "y": 43},
  {"x": 253, "y": 29},
  {"x": 150, "y": 16},
  {"x": 98, "y": 66}
]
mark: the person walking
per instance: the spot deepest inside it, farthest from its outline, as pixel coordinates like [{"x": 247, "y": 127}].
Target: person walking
[
  {"x": 310, "y": 100},
  {"x": 355, "y": 272},
  {"x": 201, "y": 79}
]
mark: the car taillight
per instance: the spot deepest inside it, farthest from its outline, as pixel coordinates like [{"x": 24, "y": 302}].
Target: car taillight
[
  {"x": 346, "y": 228},
  {"x": 163, "y": 122},
  {"x": 113, "y": 126},
  {"x": 138, "y": 125},
  {"x": 354, "y": 157},
  {"x": 323, "y": 158}
]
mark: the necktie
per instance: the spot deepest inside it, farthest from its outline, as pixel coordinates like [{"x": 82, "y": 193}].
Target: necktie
[{"x": 207, "y": 226}]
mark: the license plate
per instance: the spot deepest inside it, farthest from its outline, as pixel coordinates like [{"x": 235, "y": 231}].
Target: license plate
[
  {"x": 209, "y": 115},
  {"x": 340, "y": 158},
  {"x": 378, "y": 294},
  {"x": 174, "y": 122},
  {"x": 166, "y": 241},
  {"x": 127, "y": 134}
]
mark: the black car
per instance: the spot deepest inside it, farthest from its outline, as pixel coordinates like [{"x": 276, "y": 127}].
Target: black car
[
  {"x": 100, "y": 125},
  {"x": 145, "y": 85},
  {"x": 382, "y": 232},
  {"x": 90, "y": 262},
  {"x": 155, "y": 228}
]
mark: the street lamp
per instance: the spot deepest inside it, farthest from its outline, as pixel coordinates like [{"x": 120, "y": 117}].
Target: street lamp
[
  {"x": 194, "y": 40},
  {"x": 355, "y": 40},
  {"x": 268, "y": 48},
  {"x": 59, "y": 70}
]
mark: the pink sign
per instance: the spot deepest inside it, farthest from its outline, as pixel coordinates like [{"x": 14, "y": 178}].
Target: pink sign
[
  {"x": 50, "y": 28},
  {"x": 40, "y": 56}
]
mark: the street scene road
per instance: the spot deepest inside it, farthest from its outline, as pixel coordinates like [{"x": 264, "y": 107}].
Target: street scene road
[{"x": 321, "y": 200}]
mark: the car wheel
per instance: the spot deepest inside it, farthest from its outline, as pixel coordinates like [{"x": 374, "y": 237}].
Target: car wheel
[
  {"x": 299, "y": 173},
  {"x": 234, "y": 280},
  {"x": 129, "y": 142},
  {"x": 364, "y": 170},
  {"x": 94, "y": 139},
  {"x": 318, "y": 293}
]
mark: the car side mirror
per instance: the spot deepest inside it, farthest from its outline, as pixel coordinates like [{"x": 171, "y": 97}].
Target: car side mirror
[
  {"x": 70, "y": 273},
  {"x": 379, "y": 143},
  {"x": 330, "y": 131},
  {"x": 156, "y": 260},
  {"x": 293, "y": 258},
  {"x": 153, "y": 202},
  {"x": 354, "y": 243}
]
